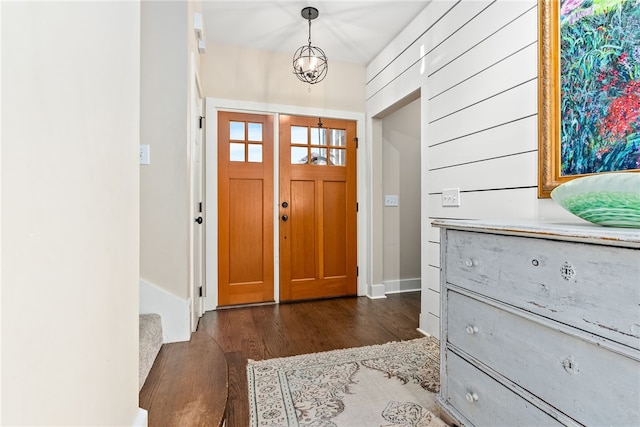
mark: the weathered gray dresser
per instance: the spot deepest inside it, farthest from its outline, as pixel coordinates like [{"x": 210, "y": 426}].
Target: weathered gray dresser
[{"x": 540, "y": 324}]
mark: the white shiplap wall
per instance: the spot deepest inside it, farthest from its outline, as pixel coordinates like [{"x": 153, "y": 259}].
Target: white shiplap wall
[{"x": 475, "y": 63}]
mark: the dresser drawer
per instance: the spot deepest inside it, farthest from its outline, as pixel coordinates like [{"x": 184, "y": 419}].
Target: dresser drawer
[
  {"x": 486, "y": 402},
  {"x": 589, "y": 383},
  {"x": 592, "y": 287}
]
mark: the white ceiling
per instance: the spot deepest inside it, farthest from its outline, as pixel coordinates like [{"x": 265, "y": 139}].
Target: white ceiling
[{"x": 350, "y": 31}]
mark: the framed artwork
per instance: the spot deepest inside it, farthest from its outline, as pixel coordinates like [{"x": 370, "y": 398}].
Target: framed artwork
[{"x": 588, "y": 89}]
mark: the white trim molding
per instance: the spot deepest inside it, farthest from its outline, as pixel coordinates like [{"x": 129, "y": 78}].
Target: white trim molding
[
  {"x": 142, "y": 419},
  {"x": 174, "y": 311},
  {"x": 377, "y": 291},
  {"x": 402, "y": 285}
]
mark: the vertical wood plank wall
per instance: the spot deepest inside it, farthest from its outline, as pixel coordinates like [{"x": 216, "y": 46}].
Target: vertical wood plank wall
[{"x": 475, "y": 63}]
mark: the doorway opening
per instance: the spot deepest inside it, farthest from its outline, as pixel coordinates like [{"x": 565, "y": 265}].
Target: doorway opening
[
  {"x": 401, "y": 187},
  {"x": 315, "y": 215}
]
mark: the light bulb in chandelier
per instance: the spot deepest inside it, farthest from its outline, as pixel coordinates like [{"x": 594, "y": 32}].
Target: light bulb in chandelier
[{"x": 310, "y": 62}]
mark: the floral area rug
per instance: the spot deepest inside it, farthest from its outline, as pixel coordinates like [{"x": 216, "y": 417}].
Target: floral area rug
[{"x": 389, "y": 385}]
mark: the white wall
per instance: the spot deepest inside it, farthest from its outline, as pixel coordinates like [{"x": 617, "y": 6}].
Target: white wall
[
  {"x": 70, "y": 212},
  {"x": 401, "y": 177},
  {"x": 475, "y": 63},
  {"x": 163, "y": 122},
  {"x": 241, "y": 74},
  {"x": 167, "y": 46}
]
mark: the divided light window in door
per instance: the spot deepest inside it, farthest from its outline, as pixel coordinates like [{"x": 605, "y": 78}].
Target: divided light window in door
[
  {"x": 318, "y": 146},
  {"x": 246, "y": 145}
]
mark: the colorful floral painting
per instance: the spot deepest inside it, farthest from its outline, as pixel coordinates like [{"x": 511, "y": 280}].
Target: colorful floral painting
[{"x": 600, "y": 86}]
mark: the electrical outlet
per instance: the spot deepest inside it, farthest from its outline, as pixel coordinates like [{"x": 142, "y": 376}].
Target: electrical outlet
[
  {"x": 451, "y": 197},
  {"x": 391, "y": 200},
  {"x": 145, "y": 155}
]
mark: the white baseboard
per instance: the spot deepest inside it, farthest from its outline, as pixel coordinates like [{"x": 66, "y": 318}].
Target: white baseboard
[
  {"x": 174, "y": 311},
  {"x": 393, "y": 287},
  {"x": 402, "y": 285},
  {"x": 142, "y": 419},
  {"x": 376, "y": 291},
  {"x": 425, "y": 333}
]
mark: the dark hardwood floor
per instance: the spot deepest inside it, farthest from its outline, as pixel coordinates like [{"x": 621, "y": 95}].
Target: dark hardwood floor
[{"x": 186, "y": 386}]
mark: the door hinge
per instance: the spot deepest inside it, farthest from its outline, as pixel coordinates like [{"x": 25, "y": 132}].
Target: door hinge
[
  {"x": 200, "y": 123},
  {"x": 200, "y": 291},
  {"x": 357, "y": 207},
  {"x": 357, "y": 271},
  {"x": 356, "y": 140}
]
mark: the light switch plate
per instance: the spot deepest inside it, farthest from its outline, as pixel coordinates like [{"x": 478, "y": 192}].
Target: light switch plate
[
  {"x": 451, "y": 197},
  {"x": 391, "y": 200},
  {"x": 145, "y": 154}
]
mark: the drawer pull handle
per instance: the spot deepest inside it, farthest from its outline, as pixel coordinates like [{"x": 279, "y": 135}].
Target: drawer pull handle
[
  {"x": 469, "y": 262},
  {"x": 471, "y": 397},
  {"x": 471, "y": 329}
]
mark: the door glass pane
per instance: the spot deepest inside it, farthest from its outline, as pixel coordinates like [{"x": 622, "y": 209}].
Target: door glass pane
[
  {"x": 255, "y": 153},
  {"x": 338, "y": 138},
  {"x": 236, "y": 152},
  {"x": 255, "y": 132},
  {"x": 299, "y": 135},
  {"x": 318, "y": 136},
  {"x": 299, "y": 155},
  {"x": 338, "y": 157},
  {"x": 236, "y": 131},
  {"x": 319, "y": 156}
]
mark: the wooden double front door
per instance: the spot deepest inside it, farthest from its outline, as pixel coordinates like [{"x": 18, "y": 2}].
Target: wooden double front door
[{"x": 316, "y": 210}]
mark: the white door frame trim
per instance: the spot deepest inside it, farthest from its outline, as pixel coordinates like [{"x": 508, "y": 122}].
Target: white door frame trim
[
  {"x": 195, "y": 301},
  {"x": 212, "y": 106}
]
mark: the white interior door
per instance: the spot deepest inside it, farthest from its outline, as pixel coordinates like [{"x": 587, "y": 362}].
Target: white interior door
[
  {"x": 198, "y": 225},
  {"x": 199, "y": 272}
]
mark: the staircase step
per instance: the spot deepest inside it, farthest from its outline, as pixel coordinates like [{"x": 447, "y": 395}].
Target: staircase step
[{"x": 150, "y": 343}]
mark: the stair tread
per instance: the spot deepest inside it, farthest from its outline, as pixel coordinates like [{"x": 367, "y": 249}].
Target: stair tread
[
  {"x": 195, "y": 375},
  {"x": 150, "y": 338}
]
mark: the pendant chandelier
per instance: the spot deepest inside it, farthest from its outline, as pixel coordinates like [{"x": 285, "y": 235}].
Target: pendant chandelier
[{"x": 310, "y": 62}]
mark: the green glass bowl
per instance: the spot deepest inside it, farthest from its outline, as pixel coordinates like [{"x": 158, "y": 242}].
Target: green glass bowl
[{"x": 611, "y": 199}]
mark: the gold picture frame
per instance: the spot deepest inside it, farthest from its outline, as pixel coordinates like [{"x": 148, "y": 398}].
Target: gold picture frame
[
  {"x": 548, "y": 98},
  {"x": 550, "y": 116}
]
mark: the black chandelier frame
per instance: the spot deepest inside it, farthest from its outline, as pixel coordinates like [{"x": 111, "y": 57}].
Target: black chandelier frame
[{"x": 310, "y": 63}]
